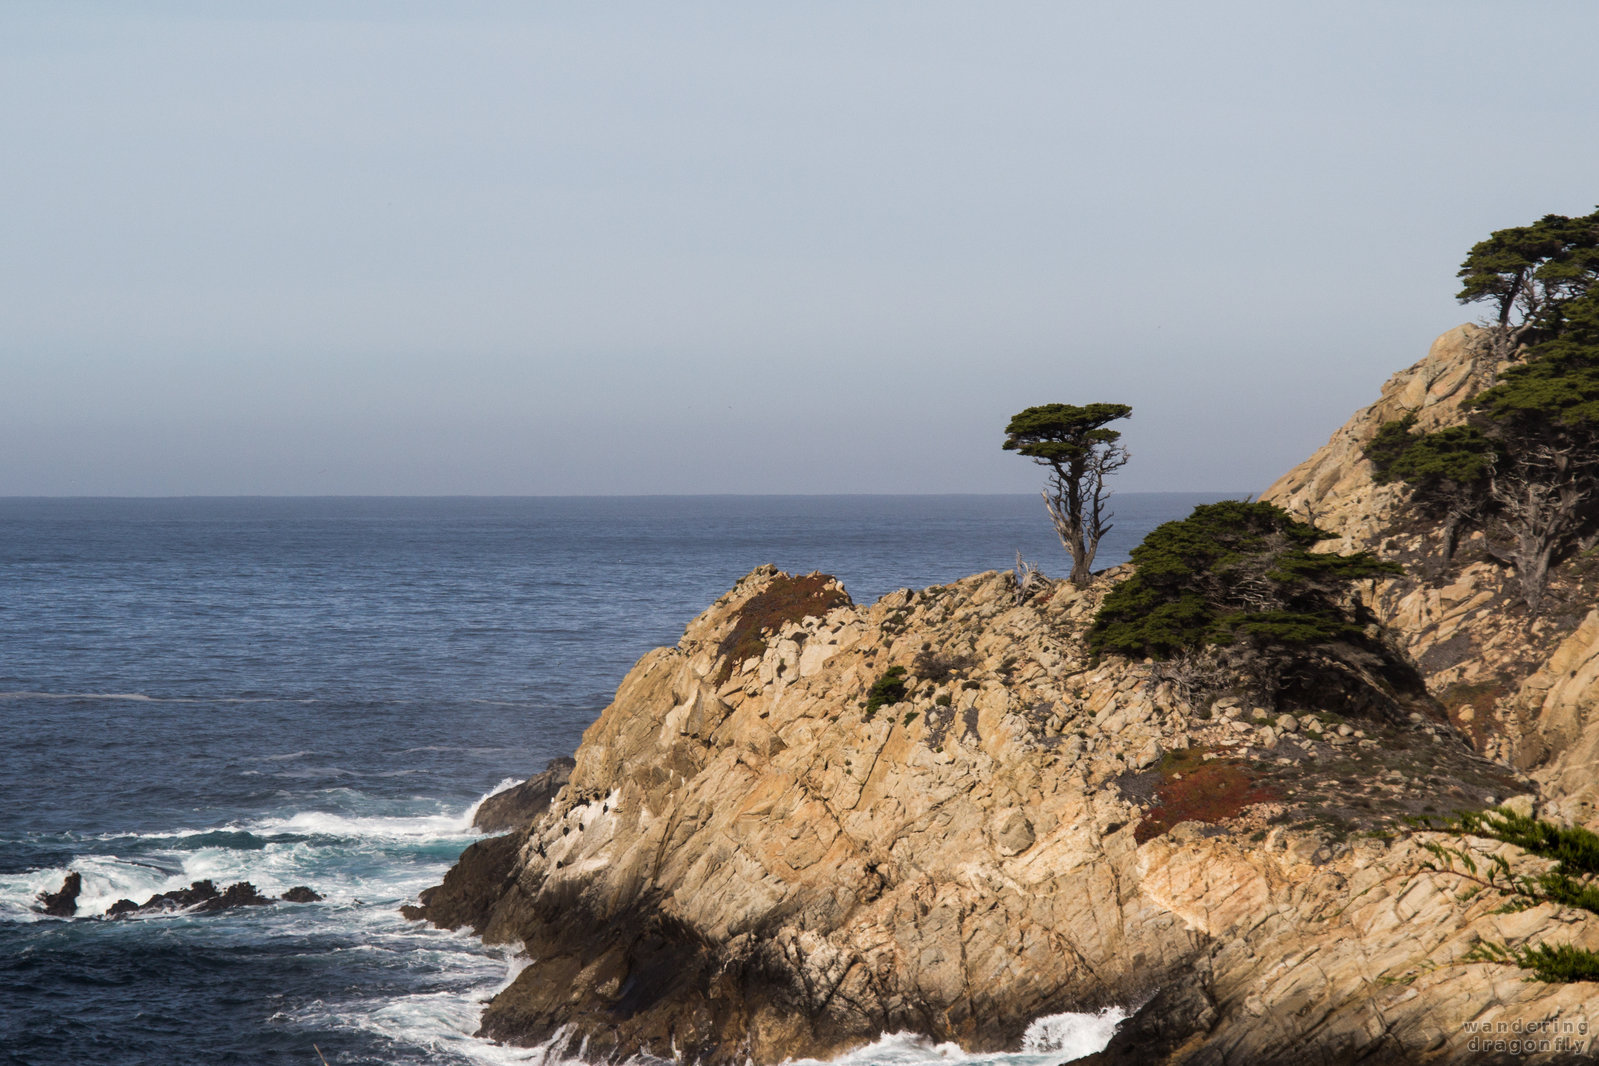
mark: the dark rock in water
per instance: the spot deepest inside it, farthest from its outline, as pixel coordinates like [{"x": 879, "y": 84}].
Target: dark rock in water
[
  {"x": 62, "y": 904},
  {"x": 525, "y": 802},
  {"x": 121, "y": 907},
  {"x": 200, "y": 897},
  {"x": 302, "y": 894},
  {"x": 472, "y": 887},
  {"x": 1178, "y": 1012},
  {"x": 180, "y": 899},
  {"x": 241, "y": 894}
]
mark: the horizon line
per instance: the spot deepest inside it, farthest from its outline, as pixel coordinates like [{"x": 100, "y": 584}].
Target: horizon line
[{"x": 573, "y": 495}]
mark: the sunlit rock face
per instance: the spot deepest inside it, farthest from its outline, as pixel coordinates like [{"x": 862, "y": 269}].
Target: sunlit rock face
[
  {"x": 746, "y": 865},
  {"x": 1522, "y": 687}
]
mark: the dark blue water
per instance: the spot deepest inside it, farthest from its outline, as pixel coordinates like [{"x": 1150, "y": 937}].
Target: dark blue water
[{"x": 317, "y": 691}]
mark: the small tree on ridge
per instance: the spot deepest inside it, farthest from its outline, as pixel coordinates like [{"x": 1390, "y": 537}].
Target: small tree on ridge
[{"x": 1080, "y": 452}]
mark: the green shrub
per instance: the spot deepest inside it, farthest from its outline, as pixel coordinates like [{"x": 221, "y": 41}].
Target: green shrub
[
  {"x": 888, "y": 689},
  {"x": 1232, "y": 571},
  {"x": 1554, "y": 963},
  {"x": 1572, "y": 883}
]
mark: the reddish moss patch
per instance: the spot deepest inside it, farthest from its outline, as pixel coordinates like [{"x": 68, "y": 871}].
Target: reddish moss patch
[
  {"x": 1482, "y": 698},
  {"x": 786, "y": 599},
  {"x": 1195, "y": 790}
]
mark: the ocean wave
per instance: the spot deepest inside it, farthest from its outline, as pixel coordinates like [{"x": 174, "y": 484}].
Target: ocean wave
[
  {"x": 348, "y": 857},
  {"x": 1052, "y": 1039}
]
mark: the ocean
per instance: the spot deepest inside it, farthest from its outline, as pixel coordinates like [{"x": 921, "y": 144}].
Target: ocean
[{"x": 319, "y": 691}]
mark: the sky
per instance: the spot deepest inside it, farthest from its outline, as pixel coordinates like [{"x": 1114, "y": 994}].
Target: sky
[{"x": 618, "y": 248}]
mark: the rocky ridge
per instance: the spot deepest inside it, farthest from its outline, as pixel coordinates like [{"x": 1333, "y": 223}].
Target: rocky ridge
[
  {"x": 1522, "y": 688},
  {"x": 747, "y": 865}
]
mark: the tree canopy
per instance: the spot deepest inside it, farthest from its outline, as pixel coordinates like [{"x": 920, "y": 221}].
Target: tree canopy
[
  {"x": 1525, "y": 464},
  {"x": 1080, "y": 452},
  {"x": 1527, "y": 272},
  {"x": 1061, "y": 435},
  {"x": 1232, "y": 571}
]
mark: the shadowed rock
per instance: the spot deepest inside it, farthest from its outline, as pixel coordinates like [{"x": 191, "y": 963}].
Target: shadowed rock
[
  {"x": 472, "y": 887},
  {"x": 519, "y": 805},
  {"x": 302, "y": 894},
  {"x": 201, "y": 897},
  {"x": 1177, "y": 1013},
  {"x": 62, "y": 904}
]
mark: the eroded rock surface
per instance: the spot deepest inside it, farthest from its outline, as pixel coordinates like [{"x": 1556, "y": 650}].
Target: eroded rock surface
[
  {"x": 1522, "y": 687},
  {"x": 745, "y": 865},
  {"x": 521, "y": 804}
]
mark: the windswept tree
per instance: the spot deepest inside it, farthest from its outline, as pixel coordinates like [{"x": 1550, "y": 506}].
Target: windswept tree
[
  {"x": 1235, "y": 597},
  {"x": 1526, "y": 274},
  {"x": 1449, "y": 473},
  {"x": 1080, "y": 453},
  {"x": 1525, "y": 465}
]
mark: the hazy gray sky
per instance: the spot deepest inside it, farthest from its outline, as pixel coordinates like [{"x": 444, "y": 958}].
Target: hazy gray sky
[{"x": 808, "y": 247}]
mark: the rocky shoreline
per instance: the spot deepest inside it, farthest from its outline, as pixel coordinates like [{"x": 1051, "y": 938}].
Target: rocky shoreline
[
  {"x": 751, "y": 863},
  {"x": 201, "y": 897}
]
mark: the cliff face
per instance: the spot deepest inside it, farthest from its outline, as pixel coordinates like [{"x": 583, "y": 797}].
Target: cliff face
[
  {"x": 750, "y": 863},
  {"x": 1522, "y": 688},
  {"x": 746, "y": 865}
]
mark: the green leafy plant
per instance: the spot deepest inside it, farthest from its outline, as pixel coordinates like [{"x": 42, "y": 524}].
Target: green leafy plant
[
  {"x": 1572, "y": 882},
  {"x": 886, "y": 690}
]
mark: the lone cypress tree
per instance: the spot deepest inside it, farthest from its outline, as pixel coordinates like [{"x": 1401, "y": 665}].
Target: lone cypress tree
[{"x": 1080, "y": 452}]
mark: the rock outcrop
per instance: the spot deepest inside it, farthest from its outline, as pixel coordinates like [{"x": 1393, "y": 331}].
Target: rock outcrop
[
  {"x": 62, "y": 903},
  {"x": 1522, "y": 687},
  {"x": 747, "y": 865},
  {"x": 522, "y": 803},
  {"x": 203, "y": 897}
]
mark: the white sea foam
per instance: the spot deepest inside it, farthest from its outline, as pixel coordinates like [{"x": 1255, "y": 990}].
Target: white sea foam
[
  {"x": 1073, "y": 1035},
  {"x": 1052, "y": 1039},
  {"x": 443, "y": 1024},
  {"x": 347, "y": 858}
]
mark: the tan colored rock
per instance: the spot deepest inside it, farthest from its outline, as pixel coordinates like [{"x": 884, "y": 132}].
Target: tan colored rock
[
  {"x": 754, "y": 871},
  {"x": 1523, "y": 689}
]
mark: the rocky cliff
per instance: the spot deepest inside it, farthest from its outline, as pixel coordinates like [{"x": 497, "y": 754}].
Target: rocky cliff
[
  {"x": 1522, "y": 687},
  {"x": 750, "y": 862},
  {"x": 811, "y": 822}
]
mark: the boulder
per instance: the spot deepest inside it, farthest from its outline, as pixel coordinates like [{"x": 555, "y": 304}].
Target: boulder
[
  {"x": 521, "y": 804},
  {"x": 63, "y": 903}
]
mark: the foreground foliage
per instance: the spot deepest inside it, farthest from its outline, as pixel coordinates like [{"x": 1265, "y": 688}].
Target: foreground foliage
[{"x": 1572, "y": 882}]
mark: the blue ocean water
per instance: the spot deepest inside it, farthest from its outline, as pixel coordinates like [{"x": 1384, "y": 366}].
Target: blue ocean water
[{"x": 318, "y": 692}]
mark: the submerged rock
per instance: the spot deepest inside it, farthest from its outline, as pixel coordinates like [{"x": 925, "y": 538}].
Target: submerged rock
[
  {"x": 519, "y": 805},
  {"x": 64, "y": 903}
]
